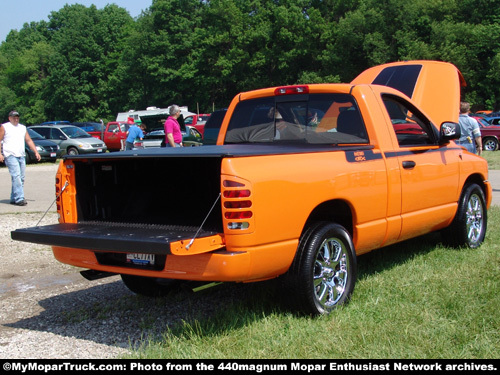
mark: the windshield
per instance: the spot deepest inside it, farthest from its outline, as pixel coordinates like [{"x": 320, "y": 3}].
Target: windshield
[
  {"x": 34, "y": 135},
  {"x": 74, "y": 132},
  {"x": 313, "y": 119}
]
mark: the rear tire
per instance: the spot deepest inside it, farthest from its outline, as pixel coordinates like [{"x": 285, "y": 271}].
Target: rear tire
[
  {"x": 148, "y": 286},
  {"x": 323, "y": 273},
  {"x": 468, "y": 228}
]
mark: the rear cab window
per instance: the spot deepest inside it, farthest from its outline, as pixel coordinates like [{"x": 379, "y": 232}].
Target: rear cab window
[{"x": 311, "y": 119}]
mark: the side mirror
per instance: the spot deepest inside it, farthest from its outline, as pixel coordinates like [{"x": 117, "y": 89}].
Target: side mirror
[{"x": 449, "y": 131}]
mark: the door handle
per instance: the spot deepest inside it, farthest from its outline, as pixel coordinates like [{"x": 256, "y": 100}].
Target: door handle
[{"x": 409, "y": 164}]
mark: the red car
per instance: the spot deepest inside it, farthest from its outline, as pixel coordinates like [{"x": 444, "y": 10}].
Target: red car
[
  {"x": 113, "y": 134},
  {"x": 197, "y": 121},
  {"x": 490, "y": 134}
]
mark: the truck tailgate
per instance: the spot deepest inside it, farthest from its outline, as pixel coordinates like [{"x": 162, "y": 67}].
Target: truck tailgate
[{"x": 113, "y": 237}]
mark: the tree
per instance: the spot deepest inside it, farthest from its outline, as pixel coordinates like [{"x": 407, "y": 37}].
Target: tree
[
  {"x": 89, "y": 63},
  {"x": 86, "y": 43}
]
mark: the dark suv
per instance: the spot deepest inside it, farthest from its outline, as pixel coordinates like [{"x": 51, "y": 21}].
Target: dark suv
[{"x": 212, "y": 126}]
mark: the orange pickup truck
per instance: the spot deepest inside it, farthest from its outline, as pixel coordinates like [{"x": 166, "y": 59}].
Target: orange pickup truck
[{"x": 303, "y": 179}]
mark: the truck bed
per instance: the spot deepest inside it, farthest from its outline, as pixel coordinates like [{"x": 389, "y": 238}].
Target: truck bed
[{"x": 127, "y": 203}]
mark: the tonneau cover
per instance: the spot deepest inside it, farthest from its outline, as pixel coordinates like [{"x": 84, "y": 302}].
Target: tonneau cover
[{"x": 238, "y": 150}]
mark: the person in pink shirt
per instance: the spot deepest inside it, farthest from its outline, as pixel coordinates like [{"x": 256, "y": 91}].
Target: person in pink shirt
[{"x": 173, "y": 135}]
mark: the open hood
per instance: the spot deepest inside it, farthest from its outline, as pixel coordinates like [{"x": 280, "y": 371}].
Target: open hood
[{"x": 434, "y": 86}]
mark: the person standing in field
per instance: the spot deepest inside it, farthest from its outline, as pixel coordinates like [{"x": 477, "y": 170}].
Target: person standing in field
[
  {"x": 471, "y": 134},
  {"x": 173, "y": 135},
  {"x": 13, "y": 137}
]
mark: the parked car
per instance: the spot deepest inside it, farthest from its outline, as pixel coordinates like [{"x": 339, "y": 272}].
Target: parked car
[
  {"x": 481, "y": 120},
  {"x": 483, "y": 113},
  {"x": 95, "y": 129},
  {"x": 493, "y": 120},
  {"x": 71, "y": 139},
  {"x": 48, "y": 150},
  {"x": 490, "y": 134},
  {"x": 190, "y": 138},
  {"x": 212, "y": 126},
  {"x": 203, "y": 117},
  {"x": 196, "y": 122},
  {"x": 61, "y": 122},
  {"x": 491, "y": 137}
]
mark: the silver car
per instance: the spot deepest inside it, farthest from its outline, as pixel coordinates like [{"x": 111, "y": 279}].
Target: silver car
[{"x": 71, "y": 139}]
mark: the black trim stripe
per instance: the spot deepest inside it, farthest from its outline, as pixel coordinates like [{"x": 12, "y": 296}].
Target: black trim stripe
[{"x": 362, "y": 155}]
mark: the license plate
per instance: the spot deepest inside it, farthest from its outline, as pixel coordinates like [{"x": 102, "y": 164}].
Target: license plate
[
  {"x": 99, "y": 150},
  {"x": 141, "y": 259},
  {"x": 53, "y": 154}
]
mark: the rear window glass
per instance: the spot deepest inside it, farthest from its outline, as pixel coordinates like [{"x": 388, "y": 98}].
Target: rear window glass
[{"x": 314, "y": 119}]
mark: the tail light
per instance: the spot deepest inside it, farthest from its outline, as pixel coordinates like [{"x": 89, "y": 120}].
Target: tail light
[
  {"x": 61, "y": 183},
  {"x": 290, "y": 90},
  {"x": 58, "y": 195},
  {"x": 237, "y": 204}
]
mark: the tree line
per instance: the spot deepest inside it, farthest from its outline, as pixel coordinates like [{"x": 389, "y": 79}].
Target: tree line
[{"x": 86, "y": 64}]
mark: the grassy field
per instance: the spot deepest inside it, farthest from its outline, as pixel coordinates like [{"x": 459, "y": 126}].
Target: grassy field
[
  {"x": 493, "y": 158},
  {"x": 415, "y": 300}
]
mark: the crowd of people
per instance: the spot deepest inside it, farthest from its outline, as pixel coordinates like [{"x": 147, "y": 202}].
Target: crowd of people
[{"x": 173, "y": 134}]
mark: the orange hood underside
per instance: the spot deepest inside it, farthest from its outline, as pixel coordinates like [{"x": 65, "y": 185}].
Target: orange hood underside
[{"x": 434, "y": 86}]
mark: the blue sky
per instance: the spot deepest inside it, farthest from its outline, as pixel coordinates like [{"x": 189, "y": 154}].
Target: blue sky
[{"x": 15, "y": 13}]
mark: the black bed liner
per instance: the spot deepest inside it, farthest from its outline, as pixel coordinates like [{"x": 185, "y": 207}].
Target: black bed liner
[{"x": 115, "y": 237}]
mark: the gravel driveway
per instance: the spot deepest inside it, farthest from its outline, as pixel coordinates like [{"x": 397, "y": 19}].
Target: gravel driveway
[
  {"x": 46, "y": 307},
  {"x": 48, "y": 310}
]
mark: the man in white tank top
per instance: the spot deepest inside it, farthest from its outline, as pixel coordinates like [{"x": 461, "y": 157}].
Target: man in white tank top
[{"x": 13, "y": 137}]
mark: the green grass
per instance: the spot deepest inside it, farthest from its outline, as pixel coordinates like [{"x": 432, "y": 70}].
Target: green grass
[
  {"x": 417, "y": 299},
  {"x": 493, "y": 158}
]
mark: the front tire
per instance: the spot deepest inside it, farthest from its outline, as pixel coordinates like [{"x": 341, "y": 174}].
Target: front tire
[
  {"x": 323, "y": 273},
  {"x": 72, "y": 151},
  {"x": 468, "y": 228}
]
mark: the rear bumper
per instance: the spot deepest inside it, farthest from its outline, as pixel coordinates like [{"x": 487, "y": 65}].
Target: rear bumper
[
  {"x": 104, "y": 247},
  {"x": 245, "y": 265},
  {"x": 217, "y": 266}
]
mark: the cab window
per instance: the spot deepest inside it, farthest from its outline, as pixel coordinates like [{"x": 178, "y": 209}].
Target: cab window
[
  {"x": 412, "y": 128},
  {"x": 312, "y": 119}
]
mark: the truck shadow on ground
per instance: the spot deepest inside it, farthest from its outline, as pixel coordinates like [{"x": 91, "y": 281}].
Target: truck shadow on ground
[{"x": 112, "y": 315}]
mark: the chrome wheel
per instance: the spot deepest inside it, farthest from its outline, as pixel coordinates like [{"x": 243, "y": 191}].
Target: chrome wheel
[
  {"x": 474, "y": 218},
  {"x": 323, "y": 273},
  {"x": 468, "y": 228},
  {"x": 490, "y": 144},
  {"x": 331, "y": 272}
]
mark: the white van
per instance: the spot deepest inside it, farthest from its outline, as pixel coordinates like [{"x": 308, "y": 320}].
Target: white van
[{"x": 150, "y": 111}]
